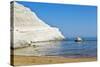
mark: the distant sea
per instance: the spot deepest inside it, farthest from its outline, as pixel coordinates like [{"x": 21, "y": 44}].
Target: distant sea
[{"x": 65, "y": 48}]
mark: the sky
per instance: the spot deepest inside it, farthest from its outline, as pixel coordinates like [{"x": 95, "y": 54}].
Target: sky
[{"x": 72, "y": 20}]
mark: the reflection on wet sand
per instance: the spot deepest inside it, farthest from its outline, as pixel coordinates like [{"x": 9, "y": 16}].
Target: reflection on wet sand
[{"x": 39, "y": 49}]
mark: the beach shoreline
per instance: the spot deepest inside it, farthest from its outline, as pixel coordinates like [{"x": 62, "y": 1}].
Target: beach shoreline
[{"x": 17, "y": 60}]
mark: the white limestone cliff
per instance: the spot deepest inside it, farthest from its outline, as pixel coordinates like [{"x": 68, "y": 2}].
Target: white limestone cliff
[{"x": 29, "y": 28}]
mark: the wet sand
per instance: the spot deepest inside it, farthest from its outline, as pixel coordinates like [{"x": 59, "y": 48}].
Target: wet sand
[{"x": 37, "y": 60}]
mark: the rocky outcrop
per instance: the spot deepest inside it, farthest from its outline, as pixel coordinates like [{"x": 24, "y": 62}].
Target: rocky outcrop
[{"x": 29, "y": 28}]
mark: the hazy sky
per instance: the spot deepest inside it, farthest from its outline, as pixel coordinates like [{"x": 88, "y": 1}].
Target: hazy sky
[{"x": 72, "y": 20}]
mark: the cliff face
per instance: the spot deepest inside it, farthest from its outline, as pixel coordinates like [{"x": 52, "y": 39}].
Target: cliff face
[{"x": 29, "y": 28}]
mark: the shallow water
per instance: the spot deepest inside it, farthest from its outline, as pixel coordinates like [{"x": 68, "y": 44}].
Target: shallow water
[{"x": 60, "y": 48}]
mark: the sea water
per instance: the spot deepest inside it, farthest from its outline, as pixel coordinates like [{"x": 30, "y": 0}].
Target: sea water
[{"x": 65, "y": 48}]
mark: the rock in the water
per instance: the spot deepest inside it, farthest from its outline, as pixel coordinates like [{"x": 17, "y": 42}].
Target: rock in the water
[{"x": 29, "y": 28}]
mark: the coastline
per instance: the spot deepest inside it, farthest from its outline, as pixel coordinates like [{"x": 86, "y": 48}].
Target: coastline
[{"x": 37, "y": 60}]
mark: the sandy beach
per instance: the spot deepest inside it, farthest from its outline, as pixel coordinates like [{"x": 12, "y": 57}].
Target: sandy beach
[{"x": 36, "y": 60}]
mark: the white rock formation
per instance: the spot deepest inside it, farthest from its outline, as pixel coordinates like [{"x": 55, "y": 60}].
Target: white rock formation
[{"x": 29, "y": 28}]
